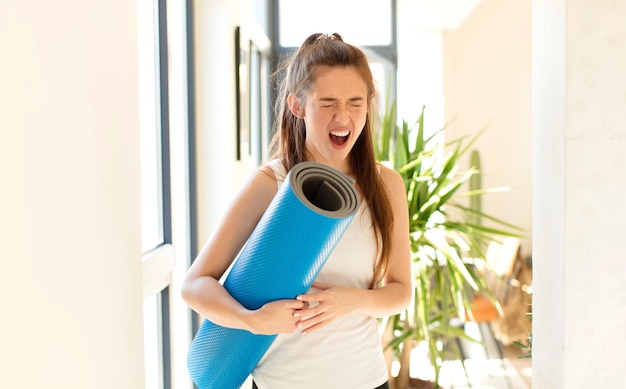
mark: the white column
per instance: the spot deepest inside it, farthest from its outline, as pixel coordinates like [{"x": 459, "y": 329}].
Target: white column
[
  {"x": 70, "y": 238},
  {"x": 579, "y": 215}
]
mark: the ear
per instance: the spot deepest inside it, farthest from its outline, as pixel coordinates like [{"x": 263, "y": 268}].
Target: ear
[{"x": 294, "y": 106}]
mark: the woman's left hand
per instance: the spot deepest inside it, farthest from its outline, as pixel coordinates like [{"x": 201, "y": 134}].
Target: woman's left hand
[{"x": 326, "y": 303}]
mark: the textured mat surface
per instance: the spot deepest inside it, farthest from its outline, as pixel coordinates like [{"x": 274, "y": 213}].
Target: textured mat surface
[{"x": 282, "y": 258}]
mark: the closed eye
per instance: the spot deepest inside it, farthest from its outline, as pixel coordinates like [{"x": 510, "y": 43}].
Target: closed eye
[{"x": 353, "y": 103}]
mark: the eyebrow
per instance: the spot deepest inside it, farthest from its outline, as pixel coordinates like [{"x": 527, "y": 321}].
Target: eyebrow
[{"x": 333, "y": 99}]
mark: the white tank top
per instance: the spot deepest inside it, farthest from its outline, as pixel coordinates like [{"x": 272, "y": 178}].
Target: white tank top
[{"x": 347, "y": 353}]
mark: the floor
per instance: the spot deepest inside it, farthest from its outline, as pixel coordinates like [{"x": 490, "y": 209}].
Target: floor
[
  {"x": 511, "y": 373},
  {"x": 484, "y": 369}
]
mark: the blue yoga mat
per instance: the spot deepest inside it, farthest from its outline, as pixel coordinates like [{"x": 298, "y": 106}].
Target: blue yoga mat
[{"x": 281, "y": 259}]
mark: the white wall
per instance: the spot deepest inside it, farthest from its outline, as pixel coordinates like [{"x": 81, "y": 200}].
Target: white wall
[
  {"x": 549, "y": 194},
  {"x": 70, "y": 288},
  {"x": 579, "y": 115},
  {"x": 487, "y": 82},
  {"x": 219, "y": 174}
]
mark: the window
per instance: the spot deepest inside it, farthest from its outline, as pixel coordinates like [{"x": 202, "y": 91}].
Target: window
[
  {"x": 371, "y": 21},
  {"x": 158, "y": 253},
  {"x": 371, "y": 25},
  {"x": 163, "y": 33},
  {"x": 150, "y": 125}
]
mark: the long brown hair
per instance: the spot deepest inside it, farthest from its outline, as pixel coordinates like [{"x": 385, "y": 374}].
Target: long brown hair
[{"x": 288, "y": 142}]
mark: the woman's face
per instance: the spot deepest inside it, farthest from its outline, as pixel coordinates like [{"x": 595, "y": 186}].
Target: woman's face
[{"x": 334, "y": 113}]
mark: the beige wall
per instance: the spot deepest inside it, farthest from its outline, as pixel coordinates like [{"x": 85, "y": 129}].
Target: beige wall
[
  {"x": 579, "y": 116},
  {"x": 219, "y": 175},
  {"x": 70, "y": 262},
  {"x": 487, "y": 82}
]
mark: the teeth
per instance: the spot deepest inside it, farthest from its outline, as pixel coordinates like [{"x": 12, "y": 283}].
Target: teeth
[{"x": 340, "y": 133}]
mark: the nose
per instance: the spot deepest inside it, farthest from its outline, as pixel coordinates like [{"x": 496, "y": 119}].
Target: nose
[{"x": 342, "y": 114}]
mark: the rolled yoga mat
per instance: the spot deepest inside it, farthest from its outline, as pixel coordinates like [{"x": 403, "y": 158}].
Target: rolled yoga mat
[{"x": 281, "y": 259}]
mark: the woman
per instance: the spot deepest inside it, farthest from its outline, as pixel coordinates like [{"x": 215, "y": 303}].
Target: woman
[{"x": 328, "y": 337}]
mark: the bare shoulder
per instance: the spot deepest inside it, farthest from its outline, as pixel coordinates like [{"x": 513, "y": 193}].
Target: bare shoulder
[
  {"x": 266, "y": 171},
  {"x": 262, "y": 182},
  {"x": 394, "y": 185},
  {"x": 391, "y": 178}
]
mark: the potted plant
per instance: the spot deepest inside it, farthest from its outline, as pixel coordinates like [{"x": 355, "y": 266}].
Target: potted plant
[
  {"x": 527, "y": 346},
  {"x": 442, "y": 233}
]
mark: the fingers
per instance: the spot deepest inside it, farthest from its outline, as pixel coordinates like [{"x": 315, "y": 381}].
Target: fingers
[
  {"x": 313, "y": 297},
  {"x": 308, "y": 298},
  {"x": 310, "y": 328},
  {"x": 316, "y": 291},
  {"x": 314, "y": 322},
  {"x": 296, "y": 304},
  {"x": 321, "y": 285},
  {"x": 278, "y": 317},
  {"x": 313, "y": 318},
  {"x": 325, "y": 305}
]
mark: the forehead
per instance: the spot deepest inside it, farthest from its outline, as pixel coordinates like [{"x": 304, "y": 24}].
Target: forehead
[{"x": 338, "y": 82}]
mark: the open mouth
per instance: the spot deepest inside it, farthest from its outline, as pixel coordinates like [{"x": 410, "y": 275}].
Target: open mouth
[{"x": 339, "y": 137}]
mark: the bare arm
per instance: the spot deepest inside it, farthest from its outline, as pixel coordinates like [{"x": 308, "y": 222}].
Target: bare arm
[
  {"x": 202, "y": 290},
  {"x": 393, "y": 297}
]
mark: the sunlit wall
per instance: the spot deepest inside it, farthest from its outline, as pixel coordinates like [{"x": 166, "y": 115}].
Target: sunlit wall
[{"x": 70, "y": 268}]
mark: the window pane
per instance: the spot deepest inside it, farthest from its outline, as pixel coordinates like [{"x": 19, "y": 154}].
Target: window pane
[
  {"x": 149, "y": 125},
  {"x": 359, "y": 22},
  {"x": 152, "y": 342}
]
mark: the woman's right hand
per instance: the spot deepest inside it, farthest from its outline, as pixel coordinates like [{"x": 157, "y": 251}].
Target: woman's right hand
[{"x": 275, "y": 317}]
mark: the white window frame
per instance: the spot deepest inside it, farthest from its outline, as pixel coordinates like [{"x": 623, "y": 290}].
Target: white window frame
[{"x": 165, "y": 265}]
